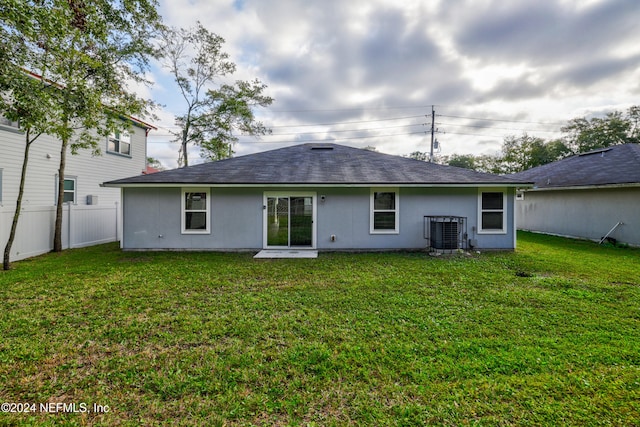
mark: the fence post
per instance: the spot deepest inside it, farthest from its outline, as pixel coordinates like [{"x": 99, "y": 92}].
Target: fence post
[
  {"x": 69, "y": 229},
  {"x": 2, "y": 242},
  {"x": 117, "y": 225}
]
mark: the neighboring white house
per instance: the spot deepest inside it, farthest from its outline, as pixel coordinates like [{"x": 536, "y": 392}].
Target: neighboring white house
[
  {"x": 590, "y": 196},
  {"x": 318, "y": 197},
  {"x": 91, "y": 212}
]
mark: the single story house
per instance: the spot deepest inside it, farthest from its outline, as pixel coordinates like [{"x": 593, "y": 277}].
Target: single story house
[
  {"x": 590, "y": 195},
  {"x": 320, "y": 197}
]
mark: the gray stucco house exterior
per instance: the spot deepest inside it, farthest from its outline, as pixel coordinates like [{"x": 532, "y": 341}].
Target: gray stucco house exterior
[
  {"x": 318, "y": 196},
  {"x": 585, "y": 196}
]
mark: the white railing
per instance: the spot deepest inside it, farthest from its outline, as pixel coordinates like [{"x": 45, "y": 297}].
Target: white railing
[{"x": 82, "y": 225}]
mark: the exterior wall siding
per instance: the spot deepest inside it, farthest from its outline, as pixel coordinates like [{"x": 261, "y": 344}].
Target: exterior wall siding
[
  {"x": 587, "y": 214},
  {"x": 44, "y": 160},
  {"x": 152, "y": 218}
]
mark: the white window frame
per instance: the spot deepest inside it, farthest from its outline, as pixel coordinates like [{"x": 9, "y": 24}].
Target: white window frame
[
  {"x": 502, "y": 230},
  {"x": 10, "y": 126},
  {"x": 373, "y": 211},
  {"x": 119, "y": 139},
  {"x": 206, "y": 210},
  {"x": 75, "y": 189},
  {"x": 9, "y": 123}
]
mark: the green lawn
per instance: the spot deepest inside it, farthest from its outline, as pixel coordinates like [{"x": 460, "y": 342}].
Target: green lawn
[{"x": 548, "y": 335}]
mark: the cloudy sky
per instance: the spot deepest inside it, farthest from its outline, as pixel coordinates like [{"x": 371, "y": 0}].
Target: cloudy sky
[{"x": 367, "y": 72}]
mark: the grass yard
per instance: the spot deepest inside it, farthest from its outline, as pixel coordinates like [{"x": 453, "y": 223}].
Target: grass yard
[{"x": 548, "y": 335}]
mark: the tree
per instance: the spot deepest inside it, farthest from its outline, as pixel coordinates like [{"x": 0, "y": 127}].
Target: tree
[
  {"x": 599, "y": 132},
  {"x": 86, "y": 53},
  {"x": 633, "y": 115},
  {"x": 419, "y": 155},
  {"x": 22, "y": 101},
  {"x": 526, "y": 152},
  {"x": 214, "y": 110},
  {"x": 467, "y": 161},
  {"x": 24, "y": 98},
  {"x": 489, "y": 164}
]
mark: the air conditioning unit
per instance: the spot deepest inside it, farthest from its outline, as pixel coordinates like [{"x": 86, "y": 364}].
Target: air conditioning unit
[{"x": 445, "y": 233}]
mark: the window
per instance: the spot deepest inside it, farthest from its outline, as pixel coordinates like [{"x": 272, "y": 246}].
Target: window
[
  {"x": 384, "y": 211},
  {"x": 492, "y": 212},
  {"x": 70, "y": 190},
  {"x": 120, "y": 142},
  {"x": 195, "y": 211},
  {"x": 70, "y": 187},
  {"x": 6, "y": 122}
]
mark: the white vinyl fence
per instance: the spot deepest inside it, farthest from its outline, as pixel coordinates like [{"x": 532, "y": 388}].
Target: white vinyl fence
[{"x": 82, "y": 225}]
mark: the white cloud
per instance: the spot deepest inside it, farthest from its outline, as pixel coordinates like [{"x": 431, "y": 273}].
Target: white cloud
[{"x": 334, "y": 61}]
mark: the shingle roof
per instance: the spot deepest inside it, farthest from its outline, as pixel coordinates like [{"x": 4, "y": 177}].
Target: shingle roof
[
  {"x": 317, "y": 164},
  {"x": 618, "y": 164}
]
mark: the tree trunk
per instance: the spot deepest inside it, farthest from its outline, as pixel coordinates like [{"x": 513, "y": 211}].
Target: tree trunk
[
  {"x": 185, "y": 157},
  {"x": 6, "y": 262},
  {"x": 57, "y": 235}
]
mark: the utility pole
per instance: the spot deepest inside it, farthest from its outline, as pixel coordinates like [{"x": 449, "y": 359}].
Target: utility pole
[{"x": 433, "y": 131}]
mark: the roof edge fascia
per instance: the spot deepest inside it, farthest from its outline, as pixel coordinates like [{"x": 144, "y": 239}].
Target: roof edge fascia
[
  {"x": 317, "y": 185},
  {"x": 586, "y": 187}
]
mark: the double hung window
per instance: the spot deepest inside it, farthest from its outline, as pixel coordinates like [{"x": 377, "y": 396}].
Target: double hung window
[
  {"x": 119, "y": 142},
  {"x": 195, "y": 211},
  {"x": 492, "y": 212},
  {"x": 69, "y": 190},
  {"x": 384, "y": 211},
  {"x": 70, "y": 194}
]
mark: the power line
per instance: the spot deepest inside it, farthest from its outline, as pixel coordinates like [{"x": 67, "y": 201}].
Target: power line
[
  {"x": 347, "y": 130},
  {"x": 346, "y": 123},
  {"x": 323, "y": 132},
  {"x": 331, "y": 139},
  {"x": 501, "y": 120},
  {"x": 325, "y": 110},
  {"x": 473, "y": 134},
  {"x": 161, "y": 136},
  {"x": 334, "y": 131},
  {"x": 492, "y": 127}
]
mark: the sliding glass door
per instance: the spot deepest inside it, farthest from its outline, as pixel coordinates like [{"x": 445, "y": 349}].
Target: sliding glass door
[{"x": 289, "y": 220}]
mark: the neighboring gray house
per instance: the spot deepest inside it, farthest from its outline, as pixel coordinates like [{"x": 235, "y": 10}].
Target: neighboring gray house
[
  {"x": 91, "y": 212},
  {"x": 318, "y": 196},
  {"x": 585, "y": 196}
]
